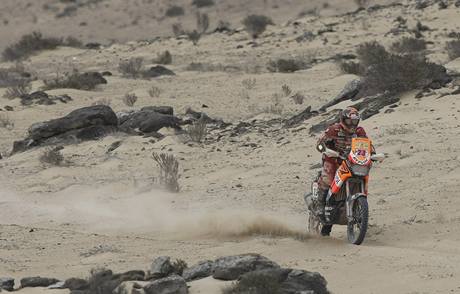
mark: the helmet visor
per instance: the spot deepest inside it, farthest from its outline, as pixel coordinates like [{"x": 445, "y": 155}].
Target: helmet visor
[{"x": 352, "y": 122}]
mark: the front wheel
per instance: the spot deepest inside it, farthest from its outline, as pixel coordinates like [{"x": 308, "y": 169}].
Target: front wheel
[{"x": 357, "y": 228}]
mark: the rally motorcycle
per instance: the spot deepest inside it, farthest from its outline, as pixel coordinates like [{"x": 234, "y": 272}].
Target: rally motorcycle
[{"x": 347, "y": 193}]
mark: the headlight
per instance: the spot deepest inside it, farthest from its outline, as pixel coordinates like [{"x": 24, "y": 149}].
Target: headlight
[{"x": 360, "y": 170}]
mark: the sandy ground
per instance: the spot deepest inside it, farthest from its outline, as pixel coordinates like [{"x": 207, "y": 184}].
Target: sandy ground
[{"x": 103, "y": 210}]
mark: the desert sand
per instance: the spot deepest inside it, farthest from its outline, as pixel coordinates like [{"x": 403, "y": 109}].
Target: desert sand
[{"x": 104, "y": 210}]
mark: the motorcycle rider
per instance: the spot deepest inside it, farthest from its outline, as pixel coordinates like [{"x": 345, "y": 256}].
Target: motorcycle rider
[{"x": 337, "y": 137}]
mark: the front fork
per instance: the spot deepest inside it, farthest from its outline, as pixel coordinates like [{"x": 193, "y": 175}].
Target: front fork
[{"x": 352, "y": 198}]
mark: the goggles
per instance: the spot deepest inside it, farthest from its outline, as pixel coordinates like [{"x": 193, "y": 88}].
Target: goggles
[{"x": 352, "y": 122}]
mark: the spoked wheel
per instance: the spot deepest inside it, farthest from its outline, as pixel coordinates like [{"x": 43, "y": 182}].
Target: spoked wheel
[{"x": 357, "y": 228}]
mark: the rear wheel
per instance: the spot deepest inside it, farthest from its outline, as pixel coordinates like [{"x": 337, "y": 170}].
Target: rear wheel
[{"x": 357, "y": 228}]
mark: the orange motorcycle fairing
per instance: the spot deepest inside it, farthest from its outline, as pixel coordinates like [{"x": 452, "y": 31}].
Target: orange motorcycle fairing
[{"x": 342, "y": 174}]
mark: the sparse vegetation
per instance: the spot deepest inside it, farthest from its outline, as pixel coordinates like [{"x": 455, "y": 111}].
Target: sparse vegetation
[
  {"x": 255, "y": 283},
  {"x": 286, "y": 90},
  {"x": 249, "y": 83},
  {"x": 288, "y": 65},
  {"x": 351, "y": 67},
  {"x": 179, "y": 266},
  {"x": 14, "y": 76},
  {"x": 298, "y": 98},
  {"x": 194, "y": 36},
  {"x": 33, "y": 43},
  {"x": 52, "y": 156},
  {"x": 255, "y": 25},
  {"x": 163, "y": 58},
  {"x": 174, "y": 11},
  {"x": 178, "y": 30},
  {"x": 169, "y": 170},
  {"x": 197, "y": 131},
  {"x": 453, "y": 49},
  {"x": 132, "y": 67},
  {"x": 202, "y": 22},
  {"x": 276, "y": 106},
  {"x": 75, "y": 80},
  {"x": 409, "y": 45},
  {"x": 362, "y": 3},
  {"x": 383, "y": 71},
  {"x": 130, "y": 99},
  {"x": 203, "y": 3},
  {"x": 154, "y": 92},
  {"x": 17, "y": 91},
  {"x": 6, "y": 122}
]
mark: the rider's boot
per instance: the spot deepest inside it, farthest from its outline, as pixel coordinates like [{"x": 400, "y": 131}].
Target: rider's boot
[{"x": 322, "y": 194}]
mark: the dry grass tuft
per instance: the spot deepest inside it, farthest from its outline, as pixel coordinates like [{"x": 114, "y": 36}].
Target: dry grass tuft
[
  {"x": 198, "y": 130},
  {"x": 169, "y": 170},
  {"x": 130, "y": 99}
]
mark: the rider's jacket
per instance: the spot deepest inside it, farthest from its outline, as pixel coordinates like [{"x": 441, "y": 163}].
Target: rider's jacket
[{"x": 338, "y": 139}]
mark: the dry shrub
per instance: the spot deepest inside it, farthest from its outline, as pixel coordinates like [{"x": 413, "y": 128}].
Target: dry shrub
[
  {"x": 174, "y": 11},
  {"x": 408, "y": 45},
  {"x": 178, "y": 30},
  {"x": 202, "y": 22},
  {"x": 154, "y": 92},
  {"x": 130, "y": 99},
  {"x": 276, "y": 106},
  {"x": 6, "y": 122},
  {"x": 75, "y": 80},
  {"x": 249, "y": 83},
  {"x": 18, "y": 91},
  {"x": 52, "y": 156},
  {"x": 198, "y": 130},
  {"x": 179, "y": 266},
  {"x": 203, "y": 3},
  {"x": 288, "y": 65},
  {"x": 169, "y": 170},
  {"x": 384, "y": 71},
  {"x": 286, "y": 90},
  {"x": 298, "y": 98},
  {"x": 453, "y": 49},
  {"x": 255, "y": 283},
  {"x": 132, "y": 67},
  {"x": 194, "y": 36},
  {"x": 256, "y": 24},
  {"x": 33, "y": 43},
  {"x": 14, "y": 76},
  {"x": 351, "y": 67},
  {"x": 163, "y": 58}
]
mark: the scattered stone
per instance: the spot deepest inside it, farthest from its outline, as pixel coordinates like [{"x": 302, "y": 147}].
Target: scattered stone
[
  {"x": 160, "y": 109},
  {"x": 147, "y": 121},
  {"x": 457, "y": 3},
  {"x": 173, "y": 284},
  {"x": 93, "y": 45},
  {"x": 76, "y": 284},
  {"x": 42, "y": 98},
  {"x": 232, "y": 267},
  {"x": 106, "y": 74},
  {"x": 201, "y": 270},
  {"x": 299, "y": 281},
  {"x": 113, "y": 146},
  {"x": 87, "y": 123},
  {"x": 161, "y": 267},
  {"x": 349, "y": 92},
  {"x": 37, "y": 282},
  {"x": 300, "y": 118},
  {"x": 371, "y": 105},
  {"x": 157, "y": 71},
  {"x": 8, "y": 108},
  {"x": 7, "y": 284}
]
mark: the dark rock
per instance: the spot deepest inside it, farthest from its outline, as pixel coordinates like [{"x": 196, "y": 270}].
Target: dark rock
[
  {"x": 299, "y": 281},
  {"x": 76, "y": 284},
  {"x": 93, "y": 45},
  {"x": 372, "y": 105},
  {"x": 201, "y": 270},
  {"x": 349, "y": 92},
  {"x": 161, "y": 267},
  {"x": 232, "y": 267},
  {"x": 157, "y": 71},
  {"x": 422, "y": 4},
  {"x": 457, "y": 3},
  {"x": 8, "y": 108},
  {"x": 442, "y": 4},
  {"x": 37, "y": 282},
  {"x": 7, "y": 284},
  {"x": 146, "y": 121},
  {"x": 98, "y": 115},
  {"x": 160, "y": 109},
  {"x": 135, "y": 275},
  {"x": 173, "y": 284},
  {"x": 106, "y": 74},
  {"x": 332, "y": 117},
  {"x": 42, "y": 98},
  {"x": 114, "y": 146},
  {"x": 300, "y": 118}
]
